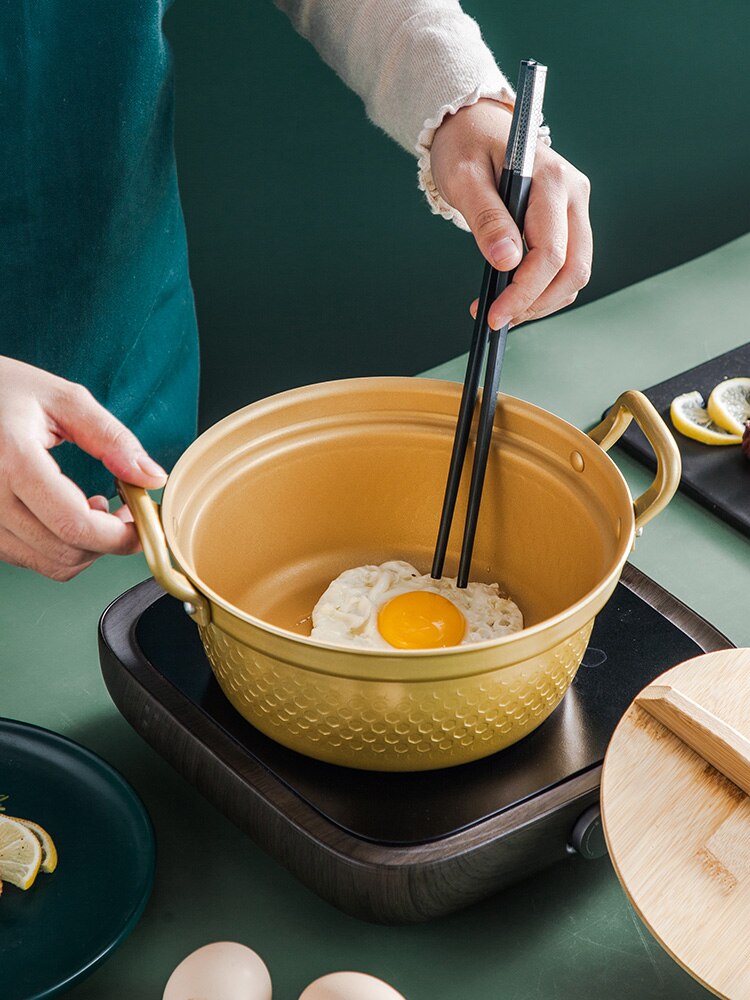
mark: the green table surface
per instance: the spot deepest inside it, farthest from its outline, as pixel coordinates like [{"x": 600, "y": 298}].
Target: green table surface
[{"x": 569, "y": 931}]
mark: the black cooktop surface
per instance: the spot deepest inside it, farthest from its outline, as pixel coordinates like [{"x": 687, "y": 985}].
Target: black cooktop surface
[{"x": 631, "y": 644}]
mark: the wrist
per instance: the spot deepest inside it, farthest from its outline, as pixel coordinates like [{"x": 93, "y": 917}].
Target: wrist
[{"x": 495, "y": 94}]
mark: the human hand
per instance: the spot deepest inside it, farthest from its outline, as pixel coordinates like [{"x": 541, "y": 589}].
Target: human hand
[
  {"x": 46, "y": 521},
  {"x": 467, "y": 157}
]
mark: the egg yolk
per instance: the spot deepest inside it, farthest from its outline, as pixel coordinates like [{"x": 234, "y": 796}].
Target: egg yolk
[{"x": 421, "y": 620}]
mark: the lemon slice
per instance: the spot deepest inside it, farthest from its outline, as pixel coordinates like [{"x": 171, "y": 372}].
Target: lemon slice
[
  {"x": 729, "y": 404},
  {"x": 690, "y": 417},
  {"x": 49, "y": 851},
  {"x": 20, "y": 853}
]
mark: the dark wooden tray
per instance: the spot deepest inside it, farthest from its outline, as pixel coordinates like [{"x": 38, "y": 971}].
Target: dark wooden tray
[
  {"x": 394, "y": 848},
  {"x": 717, "y": 477}
]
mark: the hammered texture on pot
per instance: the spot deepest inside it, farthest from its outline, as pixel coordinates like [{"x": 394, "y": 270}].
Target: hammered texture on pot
[{"x": 392, "y": 726}]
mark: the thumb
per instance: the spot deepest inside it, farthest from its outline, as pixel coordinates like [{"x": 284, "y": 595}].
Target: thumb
[
  {"x": 494, "y": 230},
  {"x": 85, "y": 422}
]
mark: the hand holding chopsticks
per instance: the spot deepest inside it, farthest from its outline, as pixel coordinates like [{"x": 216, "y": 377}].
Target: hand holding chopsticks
[{"x": 515, "y": 182}]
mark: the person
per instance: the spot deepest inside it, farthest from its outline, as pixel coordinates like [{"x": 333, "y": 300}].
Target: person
[{"x": 98, "y": 342}]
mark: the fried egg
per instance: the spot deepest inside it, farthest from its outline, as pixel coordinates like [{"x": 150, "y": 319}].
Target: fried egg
[{"x": 393, "y": 606}]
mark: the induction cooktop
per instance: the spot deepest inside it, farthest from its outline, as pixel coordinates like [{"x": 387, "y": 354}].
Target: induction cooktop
[{"x": 398, "y": 847}]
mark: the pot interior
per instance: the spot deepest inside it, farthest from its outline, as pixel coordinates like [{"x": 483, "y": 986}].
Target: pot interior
[{"x": 271, "y": 504}]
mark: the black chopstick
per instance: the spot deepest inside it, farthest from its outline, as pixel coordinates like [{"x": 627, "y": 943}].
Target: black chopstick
[
  {"x": 517, "y": 203},
  {"x": 487, "y": 296},
  {"x": 513, "y": 189}
]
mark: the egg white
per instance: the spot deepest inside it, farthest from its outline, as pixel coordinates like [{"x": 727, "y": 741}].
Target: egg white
[{"x": 347, "y": 613}]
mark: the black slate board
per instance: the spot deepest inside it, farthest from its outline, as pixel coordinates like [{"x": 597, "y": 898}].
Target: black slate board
[{"x": 717, "y": 477}]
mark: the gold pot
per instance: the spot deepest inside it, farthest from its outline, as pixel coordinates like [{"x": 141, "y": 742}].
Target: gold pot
[{"x": 274, "y": 501}]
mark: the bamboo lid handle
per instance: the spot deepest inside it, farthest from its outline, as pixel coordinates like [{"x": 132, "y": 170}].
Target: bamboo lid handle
[{"x": 718, "y": 743}]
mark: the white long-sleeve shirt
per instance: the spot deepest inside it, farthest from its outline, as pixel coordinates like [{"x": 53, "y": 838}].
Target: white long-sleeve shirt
[{"x": 411, "y": 61}]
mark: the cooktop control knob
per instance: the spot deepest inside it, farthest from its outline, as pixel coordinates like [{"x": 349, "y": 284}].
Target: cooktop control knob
[{"x": 587, "y": 836}]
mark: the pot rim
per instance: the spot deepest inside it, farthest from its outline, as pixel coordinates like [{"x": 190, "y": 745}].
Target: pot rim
[{"x": 572, "y": 612}]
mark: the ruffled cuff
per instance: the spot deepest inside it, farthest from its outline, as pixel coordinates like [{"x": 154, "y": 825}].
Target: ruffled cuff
[{"x": 438, "y": 204}]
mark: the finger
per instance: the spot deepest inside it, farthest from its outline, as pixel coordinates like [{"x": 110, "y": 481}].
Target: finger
[
  {"x": 546, "y": 232},
  {"x": 63, "y": 508},
  {"x": 474, "y": 194},
  {"x": 124, "y": 514},
  {"x": 575, "y": 273},
  {"x": 20, "y": 522},
  {"x": 87, "y": 424},
  {"x": 101, "y": 503},
  {"x": 474, "y": 308},
  {"x": 17, "y": 553}
]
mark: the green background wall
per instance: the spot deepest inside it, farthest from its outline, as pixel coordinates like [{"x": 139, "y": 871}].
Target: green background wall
[{"x": 313, "y": 255}]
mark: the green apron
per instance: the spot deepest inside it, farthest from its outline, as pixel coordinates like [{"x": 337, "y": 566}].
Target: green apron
[{"x": 93, "y": 259}]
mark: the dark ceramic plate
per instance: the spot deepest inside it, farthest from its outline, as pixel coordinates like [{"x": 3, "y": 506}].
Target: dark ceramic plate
[{"x": 58, "y": 931}]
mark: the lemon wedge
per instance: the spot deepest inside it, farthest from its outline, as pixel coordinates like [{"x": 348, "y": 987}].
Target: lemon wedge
[
  {"x": 692, "y": 419},
  {"x": 20, "y": 853},
  {"x": 729, "y": 404},
  {"x": 49, "y": 851}
]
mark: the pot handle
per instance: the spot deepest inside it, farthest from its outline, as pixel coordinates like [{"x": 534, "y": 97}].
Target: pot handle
[
  {"x": 633, "y": 404},
  {"x": 151, "y": 533}
]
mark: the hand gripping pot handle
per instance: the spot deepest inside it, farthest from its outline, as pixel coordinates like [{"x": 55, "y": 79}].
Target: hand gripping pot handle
[
  {"x": 634, "y": 405},
  {"x": 148, "y": 525}
]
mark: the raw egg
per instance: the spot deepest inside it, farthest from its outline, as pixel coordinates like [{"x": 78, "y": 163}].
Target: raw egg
[
  {"x": 223, "y": 970},
  {"x": 350, "y": 986}
]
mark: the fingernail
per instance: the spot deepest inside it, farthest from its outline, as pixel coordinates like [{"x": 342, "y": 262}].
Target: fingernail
[
  {"x": 498, "y": 324},
  {"x": 150, "y": 467},
  {"x": 504, "y": 253}
]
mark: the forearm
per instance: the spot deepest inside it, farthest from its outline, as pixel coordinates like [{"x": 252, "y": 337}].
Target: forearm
[
  {"x": 422, "y": 70},
  {"x": 411, "y": 61}
]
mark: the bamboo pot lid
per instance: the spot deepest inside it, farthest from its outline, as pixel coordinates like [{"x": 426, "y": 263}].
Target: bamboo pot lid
[{"x": 676, "y": 815}]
